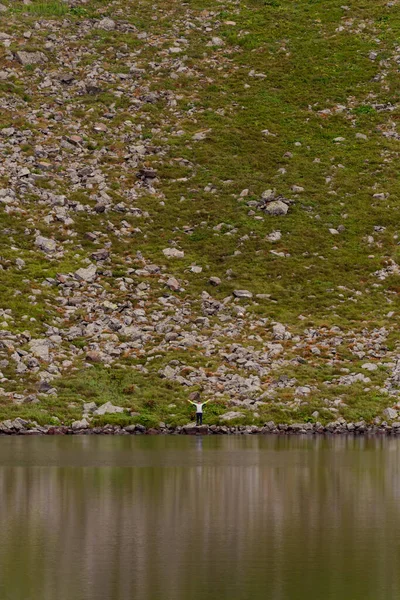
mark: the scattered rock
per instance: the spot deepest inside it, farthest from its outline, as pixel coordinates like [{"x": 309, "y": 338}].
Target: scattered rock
[
  {"x": 87, "y": 274},
  {"x": 370, "y": 366},
  {"x": 275, "y": 236},
  {"x": 231, "y": 415},
  {"x": 107, "y": 24},
  {"x": 31, "y": 58},
  {"x": 214, "y": 281},
  {"x": 108, "y": 409},
  {"x": 390, "y": 414},
  {"x": 173, "y": 253},
  {"x": 280, "y": 332},
  {"x": 94, "y": 357},
  {"x": 40, "y": 348},
  {"x": 97, "y": 178},
  {"x": 78, "y": 425},
  {"x": 89, "y": 407},
  {"x": 199, "y": 136},
  {"x": 242, "y": 294},
  {"x": 100, "y": 255},
  {"x": 276, "y": 208},
  {"x": 173, "y": 284},
  {"x": 47, "y": 245},
  {"x": 217, "y": 41}
]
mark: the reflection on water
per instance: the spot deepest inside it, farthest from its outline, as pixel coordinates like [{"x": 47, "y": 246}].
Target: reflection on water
[{"x": 108, "y": 518}]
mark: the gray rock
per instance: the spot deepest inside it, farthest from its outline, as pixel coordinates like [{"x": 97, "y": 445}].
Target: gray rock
[
  {"x": 108, "y": 409},
  {"x": 89, "y": 407},
  {"x": 86, "y": 274},
  {"x": 173, "y": 253},
  {"x": 44, "y": 387},
  {"x": 31, "y": 58},
  {"x": 93, "y": 356},
  {"x": 217, "y": 41},
  {"x": 7, "y": 132},
  {"x": 270, "y": 426},
  {"x": 189, "y": 427},
  {"x": 5, "y": 426},
  {"x": 230, "y": 415},
  {"x": 199, "y": 136},
  {"x": 215, "y": 281},
  {"x": 45, "y": 244},
  {"x": 100, "y": 255},
  {"x": 353, "y": 378},
  {"x": 390, "y": 414},
  {"x": 304, "y": 390},
  {"x": 40, "y": 349},
  {"x": 130, "y": 428},
  {"x": 24, "y": 172},
  {"x": 297, "y": 427},
  {"x": 369, "y": 366},
  {"x": 82, "y": 424},
  {"x": 242, "y": 294},
  {"x": 276, "y": 208},
  {"x": 275, "y": 236},
  {"x": 279, "y": 332},
  {"x": 268, "y": 195},
  {"x": 107, "y": 24},
  {"x": 173, "y": 284}
]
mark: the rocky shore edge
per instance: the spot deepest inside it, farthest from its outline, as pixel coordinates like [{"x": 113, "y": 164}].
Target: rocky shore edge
[{"x": 22, "y": 427}]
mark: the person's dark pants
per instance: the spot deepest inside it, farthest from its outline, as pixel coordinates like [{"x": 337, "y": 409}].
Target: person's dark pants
[{"x": 199, "y": 418}]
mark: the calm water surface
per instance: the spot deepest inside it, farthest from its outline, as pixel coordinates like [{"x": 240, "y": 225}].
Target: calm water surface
[{"x": 176, "y": 518}]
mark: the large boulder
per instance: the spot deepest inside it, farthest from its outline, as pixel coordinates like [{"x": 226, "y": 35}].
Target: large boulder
[
  {"x": 40, "y": 349},
  {"x": 89, "y": 407},
  {"x": 87, "y": 274},
  {"x": 107, "y": 24},
  {"x": 242, "y": 294},
  {"x": 276, "y": 208},
  {"x": 390, "y": 414},
  {"x": 231, "y": 415},
  {"x": 173, "y": 284},
  {"x": 108, "y": 409},
  {"x": 31, "y": 58},
  {"x": 45, "y": 244},
  {"x": 173, "y": 253},
  {"x": 78, "y": 425},
  {"x": 280, "y": 333}
]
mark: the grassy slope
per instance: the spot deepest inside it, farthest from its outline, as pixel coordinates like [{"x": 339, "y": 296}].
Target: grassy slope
[{"x": 313, "y": 56}]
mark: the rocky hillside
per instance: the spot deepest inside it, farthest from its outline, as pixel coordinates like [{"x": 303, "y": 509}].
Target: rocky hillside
[{"x": 199, "y": 196}]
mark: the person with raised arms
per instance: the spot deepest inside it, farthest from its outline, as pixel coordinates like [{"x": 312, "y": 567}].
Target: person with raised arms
[{"x": 199, "y": 410}]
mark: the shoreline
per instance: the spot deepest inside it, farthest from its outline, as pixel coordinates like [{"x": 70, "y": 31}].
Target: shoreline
[{"x": 18, "y": 427}]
